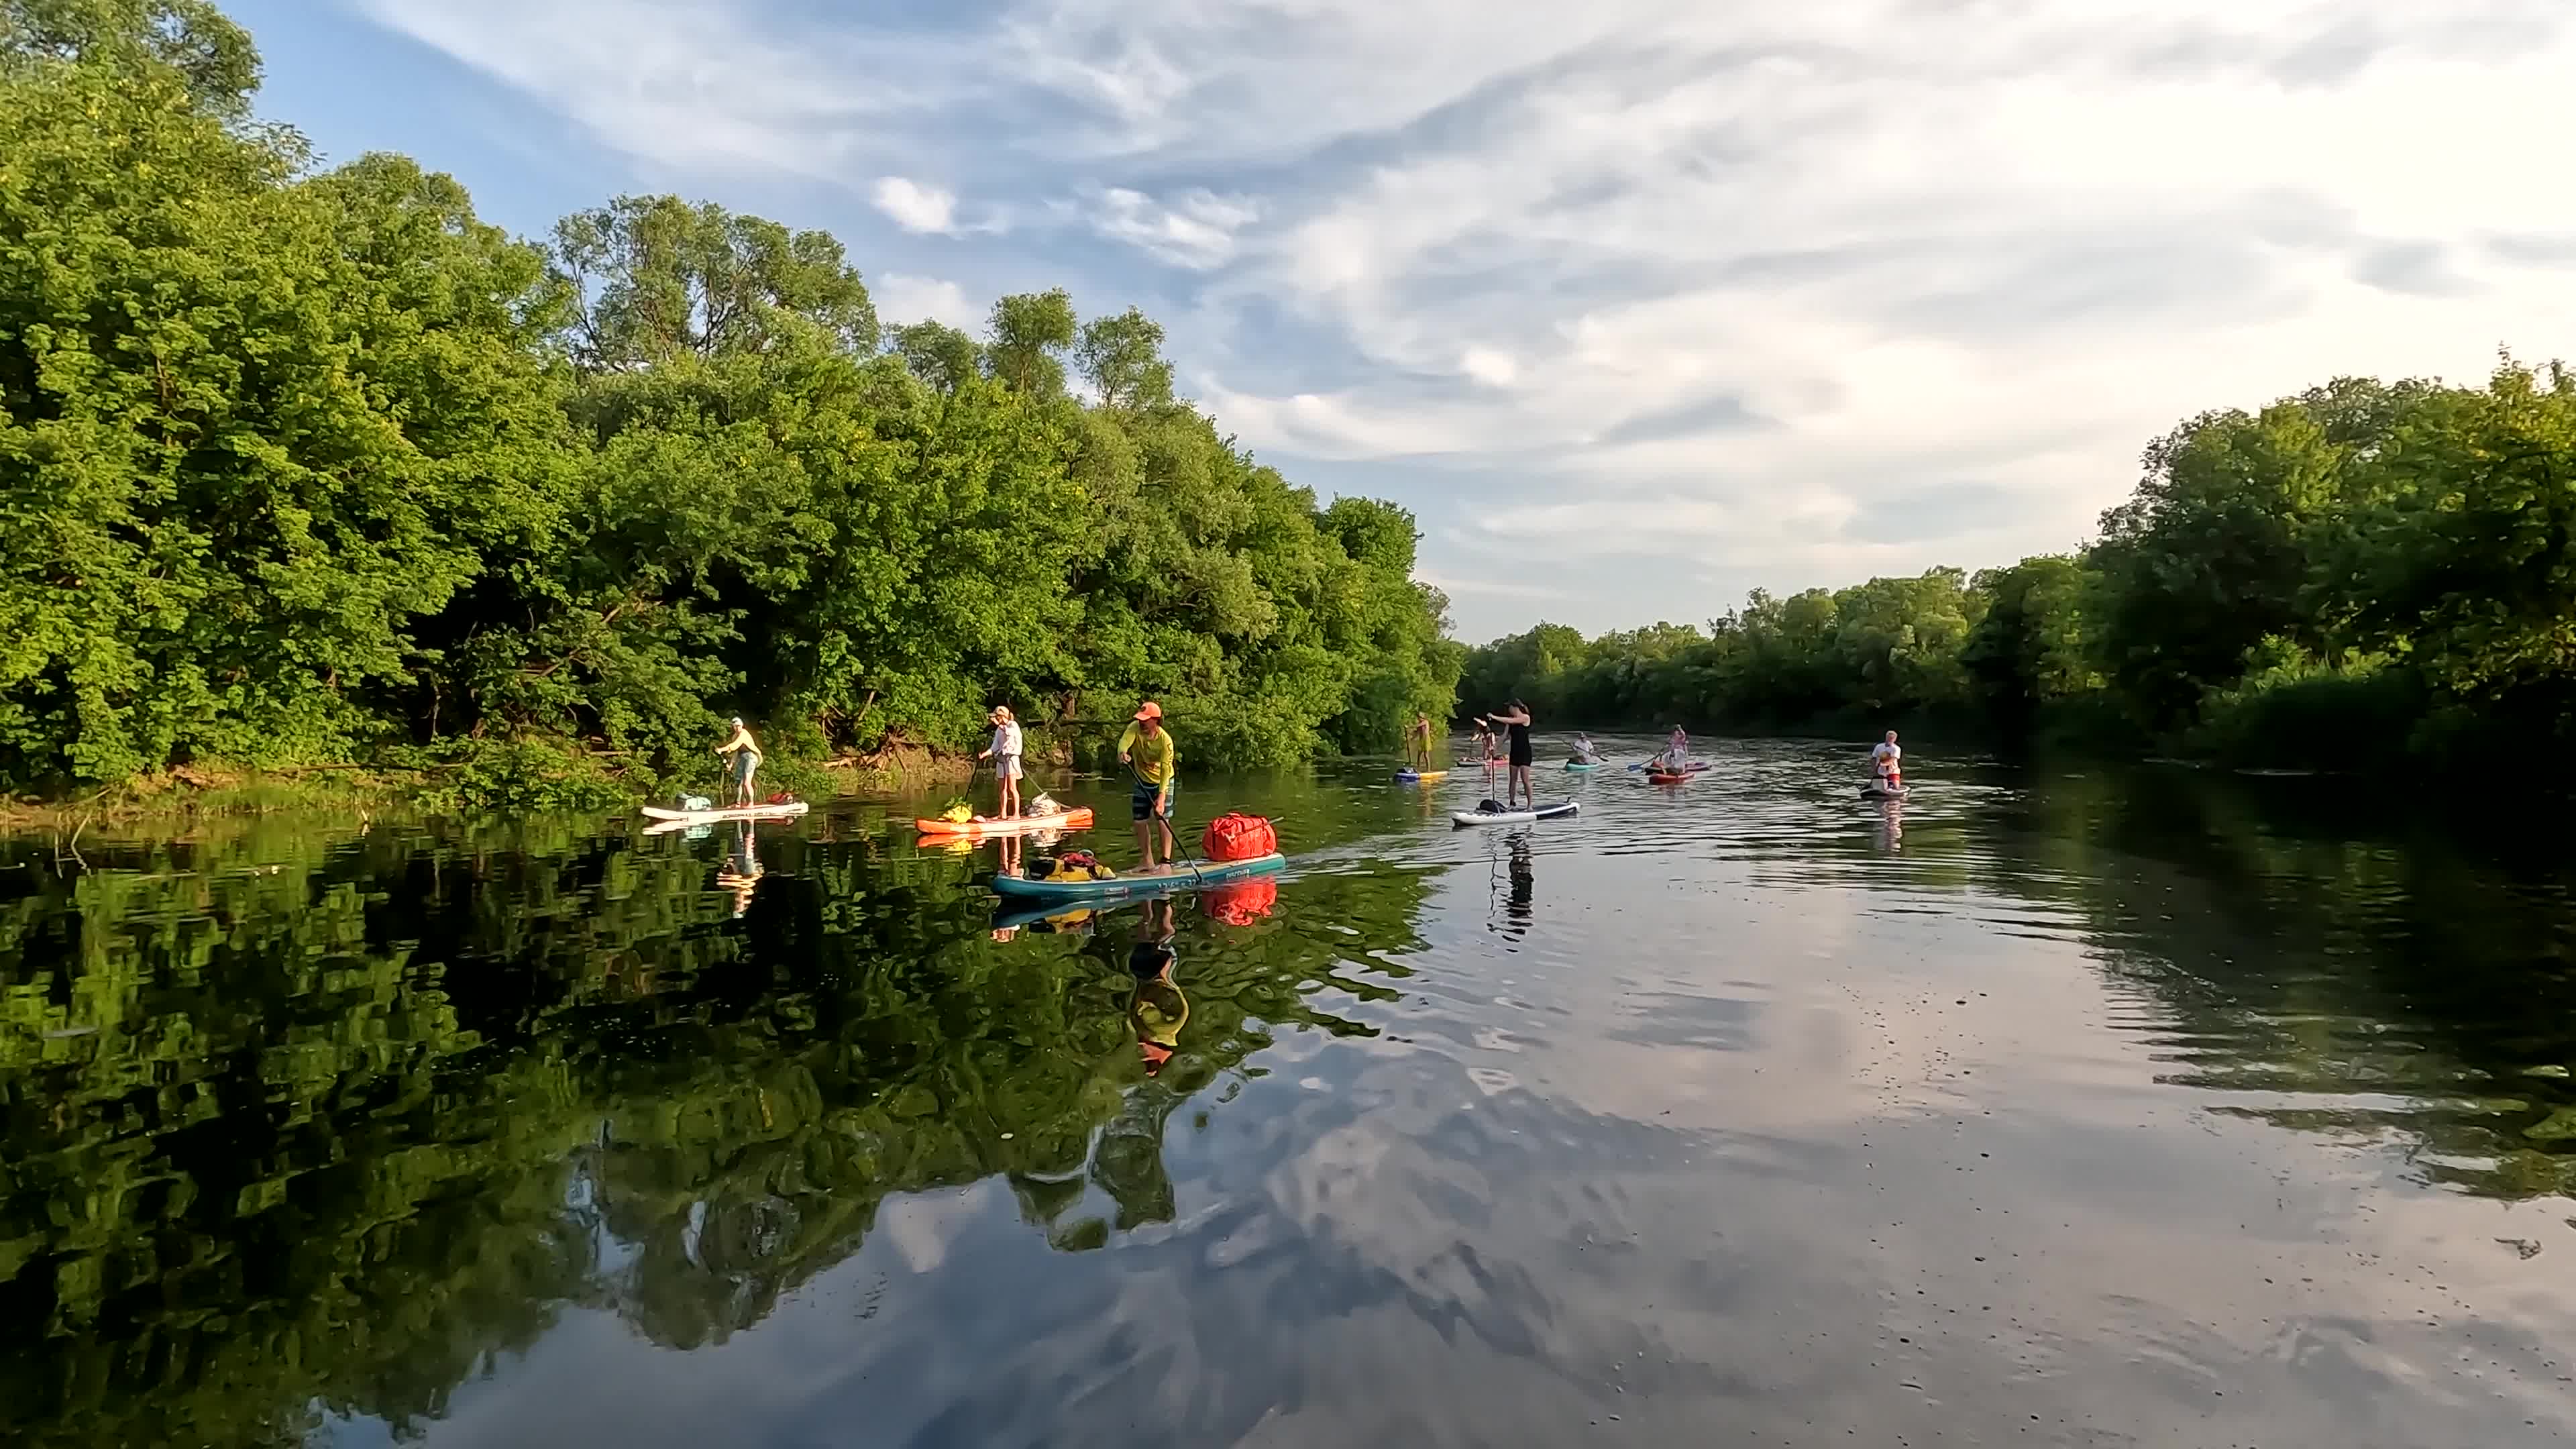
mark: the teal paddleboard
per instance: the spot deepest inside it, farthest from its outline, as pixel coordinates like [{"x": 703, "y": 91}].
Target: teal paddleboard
[{"x": 1199, "y": 875}]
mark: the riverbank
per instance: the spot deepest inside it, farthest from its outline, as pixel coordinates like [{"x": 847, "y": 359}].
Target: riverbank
[{"x": 512, "y": 778}]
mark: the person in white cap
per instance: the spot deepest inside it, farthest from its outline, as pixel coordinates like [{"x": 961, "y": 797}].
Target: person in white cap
[{"x": 745, "y": 762}]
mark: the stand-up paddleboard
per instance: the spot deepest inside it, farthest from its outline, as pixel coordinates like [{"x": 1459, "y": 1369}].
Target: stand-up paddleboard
[
  {"x": 1420, "y": 777},
  {"x": 1874, "y": 792},
  {"x": 1583, "y": 764},
  {"x": 754, "y": 812},
  {"x": 1656, "y": 777},
  {"x": 1512, "y": 817},
  {"x": 985, "y": 825},
  {"x": 1192, "y": 876}
]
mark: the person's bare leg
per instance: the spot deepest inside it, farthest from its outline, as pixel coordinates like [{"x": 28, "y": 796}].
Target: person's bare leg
[{"x": 1145, "y": 842}]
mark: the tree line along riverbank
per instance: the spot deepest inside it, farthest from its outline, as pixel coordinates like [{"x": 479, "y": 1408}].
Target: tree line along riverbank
[
  {"x": 2365, "y": 575},
  {"x": 310, "y": 469}
]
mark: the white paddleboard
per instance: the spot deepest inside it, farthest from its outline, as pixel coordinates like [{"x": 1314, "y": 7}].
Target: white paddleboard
[
  {"x": 755, "y": 812},
  {"x": 1514, "y": 817}
]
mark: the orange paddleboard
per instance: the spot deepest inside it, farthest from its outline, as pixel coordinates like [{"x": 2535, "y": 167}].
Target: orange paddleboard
[{"x": 986, "y": 825}]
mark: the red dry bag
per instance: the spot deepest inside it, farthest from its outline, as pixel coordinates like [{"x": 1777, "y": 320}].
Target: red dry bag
[{"x": 1233, "y": 836}]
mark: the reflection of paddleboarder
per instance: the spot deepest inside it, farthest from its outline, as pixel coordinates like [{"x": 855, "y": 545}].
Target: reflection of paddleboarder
[
  {"x": 1158, "y": 1009},
  {"x": 741, "y": 871}
]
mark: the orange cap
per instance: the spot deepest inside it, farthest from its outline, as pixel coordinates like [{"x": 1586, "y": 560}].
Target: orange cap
[{"x": 1150, "y": 711}]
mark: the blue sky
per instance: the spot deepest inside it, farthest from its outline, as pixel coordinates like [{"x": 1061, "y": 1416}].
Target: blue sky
[{"x": 1637, "y": 305}]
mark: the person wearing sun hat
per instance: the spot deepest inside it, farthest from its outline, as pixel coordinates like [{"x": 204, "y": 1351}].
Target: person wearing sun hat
[
  {"x": 1146, "y": 749},
  {"x": 1004, "y": 752}
]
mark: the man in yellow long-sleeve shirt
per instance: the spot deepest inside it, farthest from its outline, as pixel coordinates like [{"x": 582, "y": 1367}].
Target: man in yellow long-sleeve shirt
[{"x": 1146, "y": 748}]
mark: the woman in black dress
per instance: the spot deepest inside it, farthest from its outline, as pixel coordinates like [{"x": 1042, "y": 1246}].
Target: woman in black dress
[{"x": 1515, "y": 720}]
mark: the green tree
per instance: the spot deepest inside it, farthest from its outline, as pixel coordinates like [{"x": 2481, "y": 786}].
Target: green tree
[
  {"x": 2031, "y": 648},
  {"x": 1029, "y": 336},
  {"x": 255, "y": 426},
  {"x": 657, "y": 277},
  {"x": 192, "y": 40},
  {"x": 1122, "y": 357},
  {"x": 2462, "y": 560}
]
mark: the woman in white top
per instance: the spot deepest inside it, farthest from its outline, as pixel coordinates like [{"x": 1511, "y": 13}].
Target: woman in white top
[
  {"x": 1004, "y": 752},
  {"x": 1889, "y": 761}
]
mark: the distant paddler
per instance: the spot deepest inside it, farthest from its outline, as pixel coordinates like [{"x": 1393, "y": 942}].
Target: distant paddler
[
  {"x": 1585, "y": 752},
  {"x": 1888, "y": 763},
  {"x": 745, "y": 762},
  {"x": 1417, "y": 742}
]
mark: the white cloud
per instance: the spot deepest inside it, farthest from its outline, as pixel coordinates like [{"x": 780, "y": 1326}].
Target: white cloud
[
  {"x": 904, "y": 298},
  {"x": 1196, "y": 231},
  {"x": 915, "y": 207},
  {"x": 1490, "y": 366},
  {"x": 1826, "y": 288},
  {"x": 1457, "y": 587}
]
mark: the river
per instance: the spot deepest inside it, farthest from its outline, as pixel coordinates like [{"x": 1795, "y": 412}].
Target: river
[{"x": 2051, "y": 1106}]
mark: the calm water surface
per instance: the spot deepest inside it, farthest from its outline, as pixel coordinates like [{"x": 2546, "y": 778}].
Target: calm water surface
[{"x": 2046, "y": 1108}]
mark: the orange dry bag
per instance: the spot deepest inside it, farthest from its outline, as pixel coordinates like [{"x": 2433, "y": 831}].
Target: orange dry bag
[{"x": 1235, "y": 836}]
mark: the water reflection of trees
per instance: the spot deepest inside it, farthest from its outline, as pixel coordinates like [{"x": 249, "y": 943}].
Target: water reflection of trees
[
  {"x": 2312, "y": 941},
  {"x": 294, "y": 1130}
]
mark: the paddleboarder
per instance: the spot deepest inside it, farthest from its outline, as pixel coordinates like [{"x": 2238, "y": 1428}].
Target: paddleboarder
[
  {"x": 1146, "y": 749},
  {"x": 745, "y": 762},
  {"x": 1888, "y": 762},
  {"x": 1417, "y": 742},
  {"x": 1004, "y": 752},
  {"x": 1515, "y": 720}
]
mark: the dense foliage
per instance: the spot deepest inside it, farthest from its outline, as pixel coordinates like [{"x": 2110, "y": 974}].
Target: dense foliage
[
  {"x": 2361, "y": 572},
  {"x": 303, "y": 467}
]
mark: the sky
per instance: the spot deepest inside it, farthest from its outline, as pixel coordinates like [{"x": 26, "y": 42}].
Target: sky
[{"x": 1637, "y": 305}]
